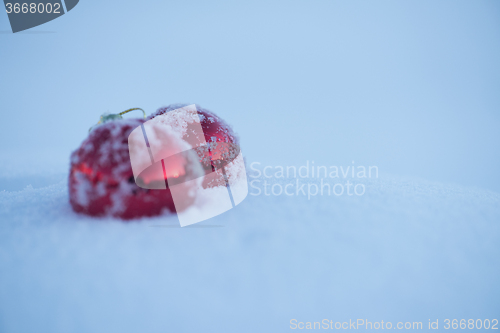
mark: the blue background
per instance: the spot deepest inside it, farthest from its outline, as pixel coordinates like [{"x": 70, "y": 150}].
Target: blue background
[{"x": 411, "y": 87}]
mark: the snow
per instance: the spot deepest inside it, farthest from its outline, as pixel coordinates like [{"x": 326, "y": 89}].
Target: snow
[
  {"x": 411, "y": 87},
  {"x": 406, "y": 250}
]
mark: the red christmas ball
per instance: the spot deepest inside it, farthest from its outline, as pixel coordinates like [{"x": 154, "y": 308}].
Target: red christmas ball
[
  {"x": 101, "y": 181},
  {"x": 222, "y": 141}
]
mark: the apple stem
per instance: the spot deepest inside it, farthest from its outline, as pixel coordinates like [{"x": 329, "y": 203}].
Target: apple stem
[{"x": 106, "y": 117}]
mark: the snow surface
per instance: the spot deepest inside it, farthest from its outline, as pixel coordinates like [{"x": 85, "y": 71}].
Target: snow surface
[
  {"x": 411, "y": 87},
  {"x": 407, "y": 250}
]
